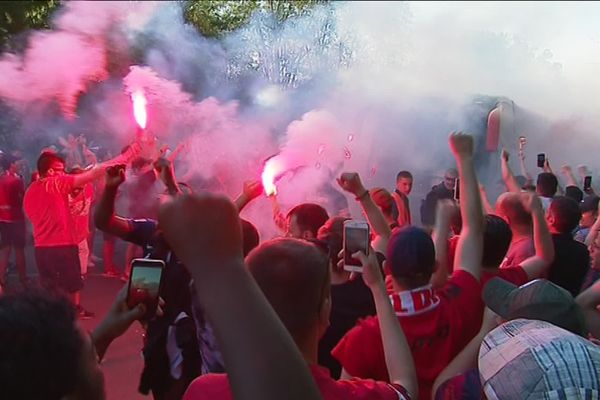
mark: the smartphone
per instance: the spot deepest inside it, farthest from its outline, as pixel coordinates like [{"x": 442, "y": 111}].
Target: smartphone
[
  {"x": 541, "y": 159},
  {"x": 457, "y": 190},
  {"x": 587, "y": 183},
  {"x": 356, "y": 238},
  {"x": 144, "y": 284}
]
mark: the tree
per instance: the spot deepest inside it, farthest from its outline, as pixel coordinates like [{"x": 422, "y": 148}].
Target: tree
[{"x": 19, "y": 16}]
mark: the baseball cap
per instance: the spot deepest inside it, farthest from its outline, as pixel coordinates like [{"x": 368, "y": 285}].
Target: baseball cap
[
  {"x": 410, "y": 252},
  {"x": 539, "y": 299},
  {"x": 527, "y": 359},
  {"x": 590, "y": 203}
]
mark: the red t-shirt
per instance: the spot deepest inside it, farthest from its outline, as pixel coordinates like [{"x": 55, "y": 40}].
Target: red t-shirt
[
  {"x": 216, "y": 387},
  {"x": 515, "y": 275},
  {"x": 12, "y": 190},
  {"x": 437, "y": 330},
  {"x": 46, "y": 204}
]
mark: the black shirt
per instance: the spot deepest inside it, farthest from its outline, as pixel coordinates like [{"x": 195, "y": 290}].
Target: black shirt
[{"x": 571, "y": 263}]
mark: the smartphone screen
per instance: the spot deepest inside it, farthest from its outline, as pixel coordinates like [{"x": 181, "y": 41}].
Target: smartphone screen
[
  {"x": 144, "y": 284},
  {"x": 587, "y": 183},
  {"x": 457, "y": 190},
  {"x": 541, "y": 159},
  {"x": 356, "y": 238}
]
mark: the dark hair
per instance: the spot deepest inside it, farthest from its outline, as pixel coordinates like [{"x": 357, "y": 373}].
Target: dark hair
[
  {"x": 411, "y": 256},
  {"x": 547, "y": 184},
  {"x": 496, "y": 241},
  {"x": 566, "y": 214},
  {"x": 293, "y": 274},
  {"x": 309, "y": 216},
  {"x": 250, "y": 238},
  {"x": 7, "y": 160},
  {"x": 403, "y": 174},
  {"x": 40, "y": 347},
  {"x": 45, "y": 161}
]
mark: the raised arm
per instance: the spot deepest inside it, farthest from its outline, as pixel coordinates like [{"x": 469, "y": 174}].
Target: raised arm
[
  {"x": 469, "y": 250},
  {"x": 589, "y": 301},
  {"x": 104, "y": 216},
  {"x": 507, "y": 175},
  {"x": 351, "y": 183},
  {"x": 445, "y": 209},
  {"x": 536, "y": 265},
  {"x": 250, "y": 191},
  {"x": 524, "y": 170},
  {"x": 98, "y": 170},
  {"x": 593, "y": 233},
  {"x": 398, "y": 357},
  {"x": 487, "y": 207},
  {"x": 569, "y": 176},
  {"x": 204, "y": 231}
]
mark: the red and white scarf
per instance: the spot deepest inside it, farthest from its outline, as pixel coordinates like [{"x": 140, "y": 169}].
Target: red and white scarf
[{"x": 415, "y": 301}]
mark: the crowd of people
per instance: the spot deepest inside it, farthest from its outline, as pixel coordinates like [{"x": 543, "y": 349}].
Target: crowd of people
[{"x": 485, "y": 300}]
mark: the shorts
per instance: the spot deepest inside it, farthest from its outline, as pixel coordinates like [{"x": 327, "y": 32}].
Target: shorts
[
  {"x": 59, "y": 268},
  {"x": 13, "y": 234}
]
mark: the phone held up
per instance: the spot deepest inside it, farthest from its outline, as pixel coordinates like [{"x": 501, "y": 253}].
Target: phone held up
[
  {"x": 144, "y": 284},
  {"x": 356, "y": 238},
  {"x": 541, "y": 160},
  {"x": 587, "y": 183}
]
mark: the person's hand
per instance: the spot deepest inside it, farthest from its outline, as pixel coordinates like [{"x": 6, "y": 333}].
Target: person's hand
[
  {"x": 350, "y": 182},
  {"x": 252, "y": 189},
  {"x": 505, "y": 155},
  {"x": 461, "y": 144},
  {"x": 531, "y": 202},
  {"x": 446, "y": 208},
  {"x": 566, "y": 169},
  {"x": 115, "y": 176},
  {"x": 371, "y": 274},
  {"x": 203, "y": 230},
  {"x": 547, "y": 167},
  {"x": 164, "y": 169},
  {"x": 120, "y": 317}
]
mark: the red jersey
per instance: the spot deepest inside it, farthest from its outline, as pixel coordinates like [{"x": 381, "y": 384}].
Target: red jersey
[
  {"x": 12, "y": 190},
  {"x": 437, "y": 325},
  {"x": 80, "y": 203},
  {"x": 216, "y": 387},
  {"x": 46, "y": 204}
]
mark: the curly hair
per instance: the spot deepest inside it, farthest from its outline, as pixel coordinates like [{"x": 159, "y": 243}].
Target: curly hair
[{"x": 40, "y": 347}]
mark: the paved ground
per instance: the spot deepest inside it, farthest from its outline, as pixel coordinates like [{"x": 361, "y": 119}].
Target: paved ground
[{"x": 122, "y": 364}]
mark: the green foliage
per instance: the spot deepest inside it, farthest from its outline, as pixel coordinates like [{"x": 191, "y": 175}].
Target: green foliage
[
  {"x": 216, "y": 17},
  {"x": 18, "y": 16}
]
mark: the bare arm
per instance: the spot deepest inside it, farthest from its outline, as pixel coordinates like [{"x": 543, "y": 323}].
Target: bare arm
[
  {"x": 507, "y": 175},
  {"x": 398, "y": 357},
  {"x": 536, "y": 265},
  {"x": 487, "y": 207},
  {"x": 250, "y": 191},
  {"x": 589, "y": 300},
  {"x": 97, "y": 171},
  {"x": 469, "y": 250},
  {"x": 593, "y": 233},
  {"x": 569, "y": 176},
  {"x": 445, "y": 210},
  {"x": 247, "y": 329},
  {"x": 350, "y": 182},
  {"x": 524, "y": 171}
]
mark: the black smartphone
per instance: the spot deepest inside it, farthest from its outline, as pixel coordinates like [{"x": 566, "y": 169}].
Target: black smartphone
[
  {"x": 457, "y": 190},
  {"x": 587, "y": 183},
  {"x": 356, "y": 238},
  {"x": 541, "y": 160},
  {"x": 144, "y": 284}
]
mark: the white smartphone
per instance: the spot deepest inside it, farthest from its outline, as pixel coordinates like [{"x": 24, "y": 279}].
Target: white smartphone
[{"x": 356, "y": 238}]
